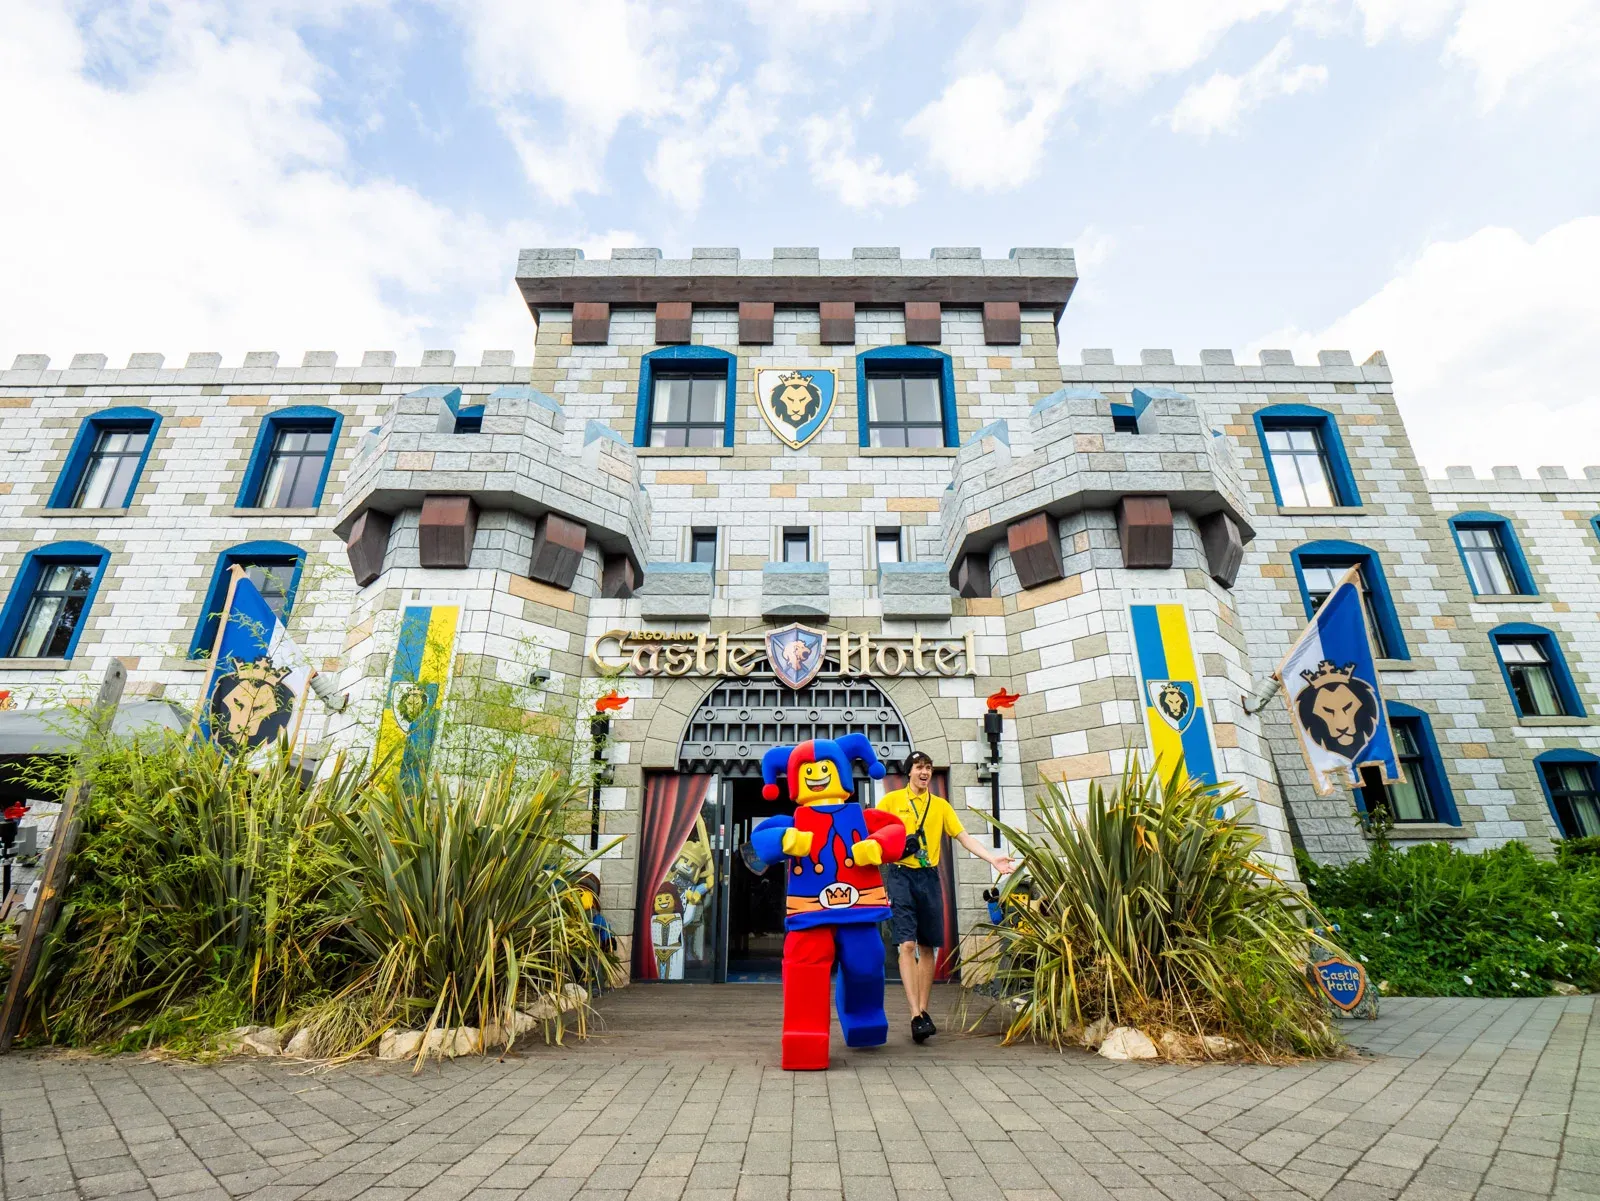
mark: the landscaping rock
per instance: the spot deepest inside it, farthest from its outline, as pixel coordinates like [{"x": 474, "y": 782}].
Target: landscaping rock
[
  {"x": 452, "y": 1041},
  {"x": 232, "y": 1042},
  {"x": 1096, "y": 1032},
  {"x": 1219, "y": 1047},
  {"x": 1562, "y": 988},
  {"x": 1175, "y": 1046},
  {"x": 572, "y": 996},
  {"x": 399, "y": 1044},
  {"x": 1127, "y": 1043},
  {"x": 300, "y": 1045},
  {"x": 544, "y": 1009},
  {"x": 263, "y": 1040}
]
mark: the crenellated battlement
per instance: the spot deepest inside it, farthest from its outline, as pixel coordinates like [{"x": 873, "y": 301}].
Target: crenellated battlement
[
  {"x": 150, "y": 369},
  {"x": 1219, "y": 366}
]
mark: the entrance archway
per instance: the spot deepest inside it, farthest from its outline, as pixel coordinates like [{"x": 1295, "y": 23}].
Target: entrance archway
[
  {"x": 738, "y": 720},
  {"x": 705, "y": 910}
]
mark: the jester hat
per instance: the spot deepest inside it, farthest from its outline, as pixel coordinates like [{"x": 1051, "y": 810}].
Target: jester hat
[{"x": 790, "y": 759}]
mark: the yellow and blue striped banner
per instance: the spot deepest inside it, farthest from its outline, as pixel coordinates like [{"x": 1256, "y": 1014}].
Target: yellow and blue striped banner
[
  {"x": 410, "y": 721},
  {"x": 1169, "y": 684}
]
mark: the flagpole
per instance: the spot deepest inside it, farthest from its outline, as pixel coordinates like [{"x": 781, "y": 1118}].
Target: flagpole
[{"x": 235, "y": 573}]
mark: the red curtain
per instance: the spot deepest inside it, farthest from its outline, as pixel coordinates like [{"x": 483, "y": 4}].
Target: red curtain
[
  {"x": 950, "y": 949},
  {"x": 671, "y": 804}
]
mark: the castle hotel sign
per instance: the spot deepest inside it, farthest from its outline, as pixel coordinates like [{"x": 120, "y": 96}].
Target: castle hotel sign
[{"x": 795, "y": 654}]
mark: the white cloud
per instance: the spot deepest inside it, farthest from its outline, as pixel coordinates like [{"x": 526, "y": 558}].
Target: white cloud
[
  {"x": 858, "y": 181},
  {"x": 738, "y": 129},
  {"x": 1217, "y": 104},
  {"x": 1491, "y": 339},
  {"x": 596, "y": 64},
  {"x": 989, "y": 127},
  {"x": 201, "y": 202},
  {"x": 1505, "y": 42}
]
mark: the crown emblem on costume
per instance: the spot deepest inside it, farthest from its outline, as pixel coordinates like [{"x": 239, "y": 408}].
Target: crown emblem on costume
[
  {"x": 795, "y": 377},
  {"x": 836, "y": 894},
  {"x": 1327, "y": 673},
  {"x": 262, "y": 671}
]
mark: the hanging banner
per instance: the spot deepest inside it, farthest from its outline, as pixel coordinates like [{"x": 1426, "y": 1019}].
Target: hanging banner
[
  {"x": 422, "y": 657},
  {"x": 1169, "y": 684},
  {"x": 1330, "y": 682},
  {"x": 258, "y": 675}
]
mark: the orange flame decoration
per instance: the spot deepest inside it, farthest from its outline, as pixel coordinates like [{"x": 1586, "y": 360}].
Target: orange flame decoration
[
  {"x": 1004, "y": 699},
  {"x": 610, "y": 702}
]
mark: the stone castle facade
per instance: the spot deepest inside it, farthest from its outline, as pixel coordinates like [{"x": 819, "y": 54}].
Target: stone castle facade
[{"x": 971, "y": 516}]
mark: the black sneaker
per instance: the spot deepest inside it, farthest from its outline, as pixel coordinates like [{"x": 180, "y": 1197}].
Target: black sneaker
[
  {"x": 921, "y": 1028},
  {"x": 927, "y": 1019}
]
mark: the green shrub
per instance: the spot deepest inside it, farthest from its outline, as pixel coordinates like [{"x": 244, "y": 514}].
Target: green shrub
[
  {"x": 1145, "y": 908},
  {"x": 207, "y": 894},
  {"x": 1436, "y": 922},
  {"x": 461, "y": 901}
]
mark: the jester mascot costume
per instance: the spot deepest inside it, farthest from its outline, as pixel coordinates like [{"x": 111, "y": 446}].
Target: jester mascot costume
[{"x": 836, "y": 895}]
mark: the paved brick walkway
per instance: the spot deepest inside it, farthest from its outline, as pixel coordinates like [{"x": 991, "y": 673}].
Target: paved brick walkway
[{"x": 1451, "y": 1099}]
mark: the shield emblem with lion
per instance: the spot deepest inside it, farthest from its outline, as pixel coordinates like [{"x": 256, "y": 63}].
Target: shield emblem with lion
[
  {"x": 796, "y": 654},
  {"x": 796, "y": 402}
]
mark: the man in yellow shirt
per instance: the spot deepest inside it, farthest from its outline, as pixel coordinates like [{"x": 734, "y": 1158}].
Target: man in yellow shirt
[{"x": 915, "y": 896}]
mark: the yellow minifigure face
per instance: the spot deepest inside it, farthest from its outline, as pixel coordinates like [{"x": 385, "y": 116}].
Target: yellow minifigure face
[
  {"x": 665, "y": 903},
  {"x": 819, "y": 784}
]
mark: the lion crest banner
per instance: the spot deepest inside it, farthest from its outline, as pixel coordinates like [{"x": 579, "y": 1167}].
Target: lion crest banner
[
  {"x": 796, "y": 401},
  {"x": 1175, "y": 713},
  {"x": 1330, "y": 682},
  {"x": 258, "y": 675}
]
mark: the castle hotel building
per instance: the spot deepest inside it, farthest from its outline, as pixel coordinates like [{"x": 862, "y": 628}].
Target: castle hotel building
[{"x": 886, "y": 452}]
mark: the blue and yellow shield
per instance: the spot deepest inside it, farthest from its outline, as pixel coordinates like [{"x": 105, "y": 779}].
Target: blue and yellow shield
[
  {"x": 795, "y": 401},
  {"x": 796, "y": 653},
  {"x": 1173, "y": 702}
]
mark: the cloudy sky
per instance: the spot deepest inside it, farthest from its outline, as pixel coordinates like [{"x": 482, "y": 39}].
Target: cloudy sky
[{"x": 1419, "y": 176}]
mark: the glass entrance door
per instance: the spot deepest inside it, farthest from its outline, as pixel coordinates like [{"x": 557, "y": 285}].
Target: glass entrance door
[{"x": 754, "y": 898}]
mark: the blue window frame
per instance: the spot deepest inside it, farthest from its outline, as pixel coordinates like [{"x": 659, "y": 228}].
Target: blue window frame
[
  {"x": 1535, "y": 671},
  {"x": 1594, "y": 524},
  {"x": 1425, "y": 795},
  {"x": 896, "y": 405},
  {"x": 293, "y": 454},
  {"x": 1492, "y": 555},
  {"x": 50, "y": 599},
  {"x": 1571, "y": 783},
  {"x": 106, "y": 460},
  {"x": 1305, "y": 456},
  {"x": 273, "y": 567},
  {"x": 687, "y": 397},
  {"x": 1319, "y": 565}
]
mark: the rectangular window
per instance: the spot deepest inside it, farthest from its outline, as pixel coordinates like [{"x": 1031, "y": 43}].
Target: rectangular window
[
  {"x": 1575, "y": 797},
  {"x": 1409, "y": 801},
  {"x": 1123, "y": 421},
  {"x": 294, "y": 468},
  {"x": 703, "y": 546},
  {"x": 1300, "y": 465},
  {"x": 688, "y": 410},
  {"x": 1488, "y": 565},
  {"x": 796, "y": 546},
  {"x": 888, "y": 546},
  {"x": 1320, "y": 580},
  {"x": 54, "y": 611},
  {"x": 272, "y": 580},
  {"x": 905, "y": 410},
  {"x": 470, "y": 420},
  {"x": 1533, "y": 683},
  {"x": 112, "y": 469}
]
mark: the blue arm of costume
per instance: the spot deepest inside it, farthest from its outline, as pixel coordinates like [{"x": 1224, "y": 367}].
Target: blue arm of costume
[{"x": 767, "y": 838}]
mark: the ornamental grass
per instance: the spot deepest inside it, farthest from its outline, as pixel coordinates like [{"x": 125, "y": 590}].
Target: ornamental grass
[
  {"x": 1144, "y": 908},
  {"x": 208, "y": 894}
]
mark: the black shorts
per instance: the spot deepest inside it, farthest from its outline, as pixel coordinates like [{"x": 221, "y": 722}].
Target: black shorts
[{"x": 917, "y": 898}]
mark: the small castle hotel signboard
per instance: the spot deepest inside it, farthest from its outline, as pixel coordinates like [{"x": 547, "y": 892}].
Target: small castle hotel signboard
[{"x": 795, "y": 654}]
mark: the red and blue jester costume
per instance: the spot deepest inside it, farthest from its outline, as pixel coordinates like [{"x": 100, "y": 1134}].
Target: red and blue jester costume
[{"x": 836, "y": 896}]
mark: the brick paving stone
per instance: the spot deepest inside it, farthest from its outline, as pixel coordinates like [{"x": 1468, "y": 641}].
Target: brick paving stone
[{"x": 1447, "y": 1099}]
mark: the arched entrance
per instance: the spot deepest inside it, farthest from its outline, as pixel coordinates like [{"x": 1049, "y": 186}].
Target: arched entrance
[
  {"x": 707, "y": 909},
  {"x": 739, "y": 719}
]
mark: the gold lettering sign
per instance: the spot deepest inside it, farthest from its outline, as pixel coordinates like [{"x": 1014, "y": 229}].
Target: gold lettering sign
[{"x": 673, "y": 653}]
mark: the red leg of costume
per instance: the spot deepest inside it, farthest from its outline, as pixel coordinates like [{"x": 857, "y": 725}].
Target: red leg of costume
[{"x": 807, "y": 961}]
